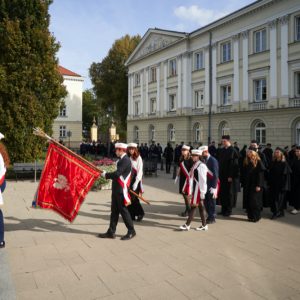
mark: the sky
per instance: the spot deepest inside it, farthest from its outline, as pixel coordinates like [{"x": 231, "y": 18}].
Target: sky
[{"x": 86, "y": 29}]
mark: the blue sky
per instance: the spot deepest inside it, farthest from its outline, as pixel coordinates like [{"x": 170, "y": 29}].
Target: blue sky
[{"x": 86, "y": 29}]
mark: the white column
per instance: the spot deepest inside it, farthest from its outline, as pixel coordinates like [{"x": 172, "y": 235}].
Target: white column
[
  {"x": 147, "y": 89},
  {"x": 129, "y": 96},
  {"x": 245, "y": 66},
  {"x": 166, "y": 100},
  {"x": 284, "y": 56},
  {"x": 206, "y": 65},
  {"x": 273, "y": 59},
  {"x": 236, "y": 69},
  {"x": 131, "y": 88},
  {"x": 214, "y": 74},
  {"x": 179, "y": 83},
  {"x": 158, "y": 89},
  {"x": 142, "y": 92},
  {"x": 186, "y": 83}
]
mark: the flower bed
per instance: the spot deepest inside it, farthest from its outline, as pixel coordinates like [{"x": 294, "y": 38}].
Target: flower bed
[{"x": 107, "y": 165}]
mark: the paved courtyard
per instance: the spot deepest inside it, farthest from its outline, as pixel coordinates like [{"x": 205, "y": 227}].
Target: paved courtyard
[{"x": 48, "y": 258}]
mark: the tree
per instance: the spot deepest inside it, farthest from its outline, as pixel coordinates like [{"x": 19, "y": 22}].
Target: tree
[
  {"x": 90, "y": 109},
  {"x": 109, "y": 78},
  {"x": 30, "y": 84}
]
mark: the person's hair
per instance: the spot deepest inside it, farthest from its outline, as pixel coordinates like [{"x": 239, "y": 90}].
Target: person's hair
[
  {"x": 135, "y": 154},
  {"x": 4, "y": 153},
  {"x": 254, "y": 158},
  {"x": 182, "y": 157},
  {"x": 282, "y": 157},
  {"x": 254, "y": 142}
]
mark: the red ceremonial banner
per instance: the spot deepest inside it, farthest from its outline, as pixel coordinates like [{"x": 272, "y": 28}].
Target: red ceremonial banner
[{"x": 64, "y": 183}]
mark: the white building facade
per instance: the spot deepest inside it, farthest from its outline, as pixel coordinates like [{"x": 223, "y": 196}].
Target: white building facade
[
  {"x": 68, "y": 125},
  {"x": 239, "y": 75}
]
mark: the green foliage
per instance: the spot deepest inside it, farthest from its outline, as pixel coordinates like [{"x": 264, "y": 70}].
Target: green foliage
[
  {"x": 30, "y": 84},
  {"x": 109, "y": 78}
]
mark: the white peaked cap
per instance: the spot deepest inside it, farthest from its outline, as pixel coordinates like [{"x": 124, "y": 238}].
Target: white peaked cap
[
  {"x": 196, "y": 152},
  {"x": 1, "y": 136},
  {"x": 132, "y": 145},
  {"x": 203, "y": 148},
  {"x": 185, "y": 147},
  {"x": 121, "y": 146}
]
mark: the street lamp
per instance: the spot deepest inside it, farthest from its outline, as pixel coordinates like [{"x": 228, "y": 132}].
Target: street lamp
[{"x": 69, "y": 134}]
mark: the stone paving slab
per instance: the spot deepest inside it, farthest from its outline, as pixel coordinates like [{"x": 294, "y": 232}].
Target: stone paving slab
[{"x": 49, "y": 258}]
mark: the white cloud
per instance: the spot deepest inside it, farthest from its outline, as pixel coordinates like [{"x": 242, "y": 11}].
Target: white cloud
[{"x": 198, "y": 15}]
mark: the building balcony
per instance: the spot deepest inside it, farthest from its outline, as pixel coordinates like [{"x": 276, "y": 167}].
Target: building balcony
[
  {"x": 295, "y": 102},
  {"x": 198, "y": 111},
  {"x": 224, "y": 109},
  {"x": 258, "y": 105}
]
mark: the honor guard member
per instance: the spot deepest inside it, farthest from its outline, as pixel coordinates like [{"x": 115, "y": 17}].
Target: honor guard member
[
  {"x": 198, "y": 180},
  {"x": 185, "y": 165},
  {"x": 135, "y": 209},
  {"x": 120, "y": 197}
]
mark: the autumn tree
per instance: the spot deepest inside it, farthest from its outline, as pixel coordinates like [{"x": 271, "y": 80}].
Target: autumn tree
[{"x": 31, "y": 87}]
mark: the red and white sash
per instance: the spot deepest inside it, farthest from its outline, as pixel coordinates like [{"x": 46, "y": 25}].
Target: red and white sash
[
  {"x": 135, "y": 171},
  {"x": 125, "y": 183},
  {"x": 186, "y": 187},
  {"x": 2, "y": 179},
  {"x": 210, "y": 175},
  {"x": 195, "y": 197}
]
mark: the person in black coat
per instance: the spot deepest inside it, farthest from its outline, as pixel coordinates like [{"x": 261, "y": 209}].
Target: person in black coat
[
  {"x": 168, "y": 155},
  {"x": 279, "y": 183},
  {"x": 120, "y": 198},
  {"x": 229, "y": 174},
  {"x": 253, "y": 183},
  {"x": 295, "y": 188}
]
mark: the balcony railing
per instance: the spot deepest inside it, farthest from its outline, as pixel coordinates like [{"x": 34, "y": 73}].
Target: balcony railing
[
  {"x": 258, "y": 106},
  {"x": 295, "y": 102},
  {"x": 198, "y": 111},
  {"x": 224, "y": 109}
]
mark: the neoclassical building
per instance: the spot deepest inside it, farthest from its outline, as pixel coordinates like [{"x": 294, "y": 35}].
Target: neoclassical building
[
  {"x": 68, "y": 125},
  {"x": 239, "y": 75}
]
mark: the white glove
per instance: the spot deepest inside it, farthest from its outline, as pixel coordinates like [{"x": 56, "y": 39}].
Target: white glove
[
  {"x": 202, "y": 196},
  {"x": 103, "y": 174},
  {"x": 135, "y": 185},
  {"x": 176, "y": 179},
  {"x": 214, "y": 192}
]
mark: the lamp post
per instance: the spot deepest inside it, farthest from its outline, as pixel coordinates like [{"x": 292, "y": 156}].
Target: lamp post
[{"x": 69, "y": 134}]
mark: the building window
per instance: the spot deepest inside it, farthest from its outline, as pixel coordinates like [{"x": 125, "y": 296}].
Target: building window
[
  {"x": 153, "y": 105},
  {"x": 297, "y": 29},
  {"x": 151, "y": 133},
  {"x": 62, "y": 131},
  {"x": 224, "y": 129},
  {"x": 199, "y": 99},
  {"x": 171, "y": 133},
  {"x": 297, "y": 84},
  {"x": 226, "y": 94},
  {"x": 260, "y": 90},
  {"x": 226, "y": 51},
  {"x": 152, "y": 74},
  {"x": 260, "y": 133},
  {"x": 298, "y": 133},
  {"x": 172, "y": 105},
  {"x": 63, "y": 110},
  {"x": 198, "y": 133},
  {"x": 172, "y": 67},
  {"x": 137, "y": 79},
  {"x": 260, "y": 40},
  {"x": 136, "y": 134},
  {"x": 199, "y": 63},
  {"x": 137, "y": 108}
]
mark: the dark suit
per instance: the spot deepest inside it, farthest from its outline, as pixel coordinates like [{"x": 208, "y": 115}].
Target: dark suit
[
  {"x": 210, "y": 203},
  {"x": 117, "y": 197}
]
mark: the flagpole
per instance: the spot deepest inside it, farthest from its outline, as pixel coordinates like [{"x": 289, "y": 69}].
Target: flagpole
[
  {"x": 39, "y": 132},
  {"x": 139, "y": 196}
]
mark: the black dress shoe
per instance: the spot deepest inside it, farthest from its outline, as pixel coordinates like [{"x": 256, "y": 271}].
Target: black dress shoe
[
  {"x": 128, "y": 236},
  {"x": 140, "y": 218},
  {"x": 107, "y": 235},
  {"x": 210, "y": 221},
  {"x": 274, "y": 216},
  {"x": 2, "y": 244}
]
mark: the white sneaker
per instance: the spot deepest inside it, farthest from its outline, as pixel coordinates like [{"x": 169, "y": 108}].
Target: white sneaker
[
  {"x": 185, "y": 227},
  {"x": 295, "y": 211},
  {"x": 202, "y": 228}
]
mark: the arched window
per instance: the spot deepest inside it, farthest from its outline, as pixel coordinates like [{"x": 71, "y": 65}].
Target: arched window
[
  {"x": 151, "y": 133},
  {"x": 136, "y": 134},
  {"x": 224, "y": 129},
  {"x": 260, "y": 132},
  {"x": 171, "y": 133},
  {"x": 198, "y": 133},
  {"x": 297, "y": 133}
]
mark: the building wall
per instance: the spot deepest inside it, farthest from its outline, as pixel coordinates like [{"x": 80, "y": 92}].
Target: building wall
[{"x": 278, "y": 64}]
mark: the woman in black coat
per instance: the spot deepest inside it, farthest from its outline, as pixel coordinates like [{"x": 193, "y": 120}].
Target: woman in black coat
[{"x": 253, "y": 174}]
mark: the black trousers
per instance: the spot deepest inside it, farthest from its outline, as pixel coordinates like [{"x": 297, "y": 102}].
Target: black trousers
[
  {"x": 118, "y": 207},
  {"x": 227, "y": 197},
  {"x": 168, "y": 166},
  {"x": 210, "y": 205}
]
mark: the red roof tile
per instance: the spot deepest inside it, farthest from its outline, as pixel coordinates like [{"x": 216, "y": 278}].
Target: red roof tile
[{"x": 64, "y": 71}]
